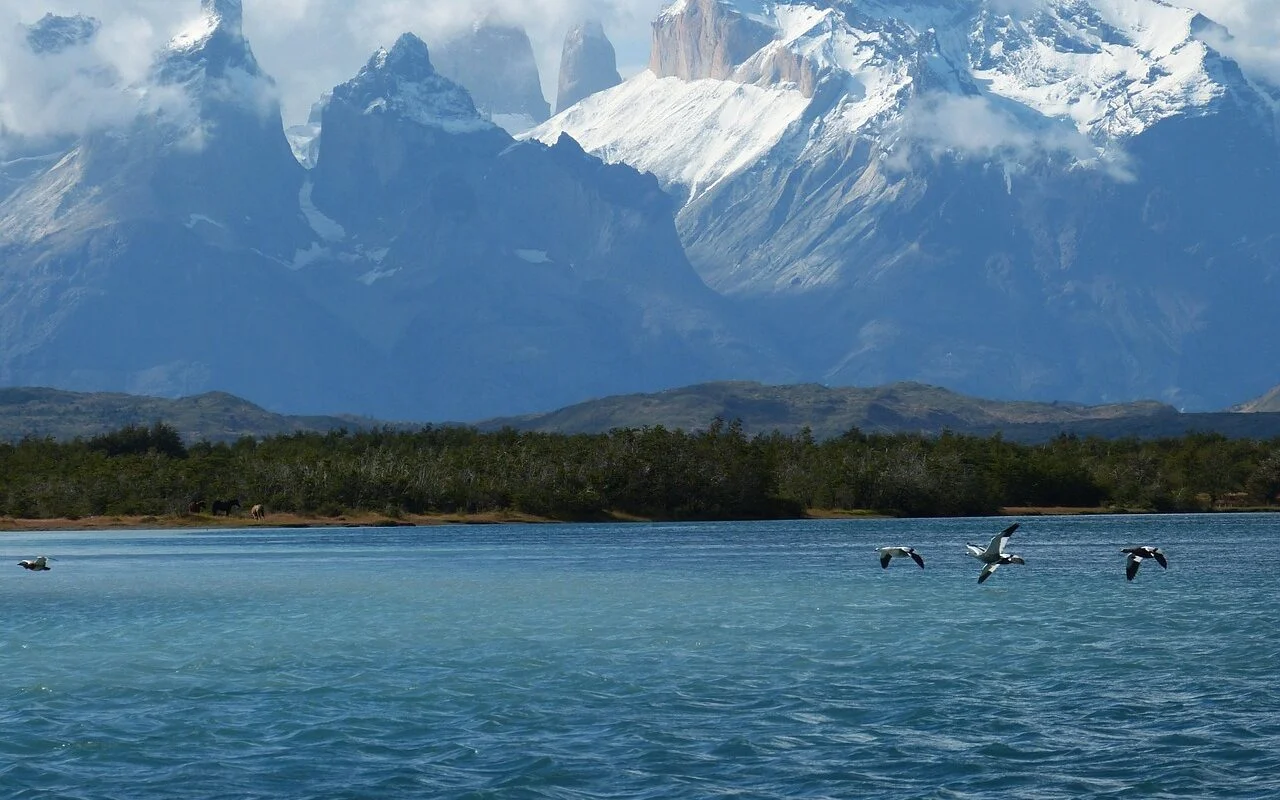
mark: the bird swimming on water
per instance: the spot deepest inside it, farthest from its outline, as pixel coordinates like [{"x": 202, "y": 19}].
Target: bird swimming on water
[
  {"x": 1136, "y": 556},
  {"x": 993, "y": 555},
  {"x": 887, "y": 554},
  {"x": 37, "y": 564}
]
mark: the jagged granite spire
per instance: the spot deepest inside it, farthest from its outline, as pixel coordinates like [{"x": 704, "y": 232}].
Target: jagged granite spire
[
  {"x": 213, "y": 44},
  {"x": 697, "y": 39},
  {"x": 495, "y": 62},
  {"x": 588, "y": 64}
]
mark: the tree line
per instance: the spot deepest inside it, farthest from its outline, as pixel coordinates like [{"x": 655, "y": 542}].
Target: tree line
[{"x": 651, "y": 472}]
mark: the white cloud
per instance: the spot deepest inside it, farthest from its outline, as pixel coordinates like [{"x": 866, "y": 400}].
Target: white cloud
[
  {"x": 78, "y": 88},
  {"x": 307, "y": 46},
  {"x": 311, "y": 45},
  {"x": 945, "y": 125},
  {"x": 1255, "y": 33}
]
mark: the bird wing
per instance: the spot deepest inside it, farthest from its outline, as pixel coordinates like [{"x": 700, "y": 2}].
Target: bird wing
[
  {"x": 996, "y": 546},
  {"x": 1160, "y": 559},
  {"x": 1131, "y": 565},
  {"x": 885, "y": 557},
  {"x": 987, "y": 569},
  {"x": 916, "y": 557}
]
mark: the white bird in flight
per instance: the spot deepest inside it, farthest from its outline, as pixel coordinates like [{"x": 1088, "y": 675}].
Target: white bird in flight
[
  {"x": 887, "y": 554},
  {"x": 993, "y": 555}
]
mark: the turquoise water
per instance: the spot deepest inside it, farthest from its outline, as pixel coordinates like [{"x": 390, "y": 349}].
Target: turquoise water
[{"x": 759, "y": 660}]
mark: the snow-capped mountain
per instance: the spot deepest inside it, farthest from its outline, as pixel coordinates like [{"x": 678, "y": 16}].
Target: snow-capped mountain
[
  {"x": 427, "y": 267},
  {"x": 1061, "y": 199}
]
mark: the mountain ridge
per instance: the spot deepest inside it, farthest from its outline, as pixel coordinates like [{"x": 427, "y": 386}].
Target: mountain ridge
[
  {"x": 212, "y": 416},
  {"x": 427, "y": 266},
  {"x": 1036, "y": 165},
  {"x": 826, "y": 412}
]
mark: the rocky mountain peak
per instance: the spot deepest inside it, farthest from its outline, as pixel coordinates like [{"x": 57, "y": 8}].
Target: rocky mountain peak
[
  {"x": 494, "y": 61},
  {"x": 228, "y": 14},
  {"x": 402, "y": 82},
  {"x": 408, "y": 58},
  {"x": 211, "y": 46},
  {"x": 588, "y": 64},
  {"x": 54, "y": 34}
]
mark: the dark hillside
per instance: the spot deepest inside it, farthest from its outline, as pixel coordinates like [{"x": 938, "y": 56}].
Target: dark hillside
[{"x": 213, "y": 416}]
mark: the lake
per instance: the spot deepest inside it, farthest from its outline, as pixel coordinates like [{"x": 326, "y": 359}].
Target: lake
[{"x": 735, "y": 660}]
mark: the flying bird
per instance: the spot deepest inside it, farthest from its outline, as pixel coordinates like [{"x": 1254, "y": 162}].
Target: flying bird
[
  {"x": 37, "y": 564},
  {"x": 993, "y": 555},
  {"x": 887, "y": 554},
  {"x": 990, "y": 567},
  {"x": 1136, "y": 556}
]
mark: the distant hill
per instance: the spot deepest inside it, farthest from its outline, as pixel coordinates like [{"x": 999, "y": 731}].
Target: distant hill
[
  {"x": 1267, "y": 403},
  {"x": 899, "y": 407},
  {"x": 826, "y": 411},
  {"x": 214, "y": 416}
]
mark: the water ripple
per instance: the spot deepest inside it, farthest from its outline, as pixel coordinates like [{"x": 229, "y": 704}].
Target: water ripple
[{"x": 698, "y": 661}]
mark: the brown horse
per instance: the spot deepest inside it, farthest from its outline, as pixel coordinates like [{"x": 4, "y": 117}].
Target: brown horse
[
  {"x": 196, "y": 507},
  {"x": 258, "y": 512}
]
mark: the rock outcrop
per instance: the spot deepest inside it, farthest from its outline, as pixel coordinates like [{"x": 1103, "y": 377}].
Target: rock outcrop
[
  {"x": 695, "y": 39},
  {"x": 495, "y": 63},
  {"x": 588, "y": 64}
]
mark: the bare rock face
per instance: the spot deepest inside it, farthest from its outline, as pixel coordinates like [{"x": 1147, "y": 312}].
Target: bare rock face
[
  {"x": 704, "y": 39},
  {"x": 778, "y": 65},
  {"x": 588, "y": 64},
  {"x": 495, "y": 63}
]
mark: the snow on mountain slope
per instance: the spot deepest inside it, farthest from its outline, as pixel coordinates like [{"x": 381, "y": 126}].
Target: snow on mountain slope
[
  {"x": 1114, "y": 69},
  {"x": 689, "y": 134},
  {"x": 1109, "y": 69},
  {"x": 1092, "y": 178}
]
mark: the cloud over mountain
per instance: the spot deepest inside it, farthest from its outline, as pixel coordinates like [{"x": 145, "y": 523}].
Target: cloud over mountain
[{"x": 310, "y": 45}]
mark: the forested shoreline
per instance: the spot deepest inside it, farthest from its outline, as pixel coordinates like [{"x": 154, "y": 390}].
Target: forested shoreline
[{"x": 650, "y": 473}]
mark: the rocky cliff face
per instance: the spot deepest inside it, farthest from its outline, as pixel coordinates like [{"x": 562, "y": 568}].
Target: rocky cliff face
[
  {"x": 588, "y": 64},
  {"x": 495, "y": 63},
  {"x": 695, "y": 39}
]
